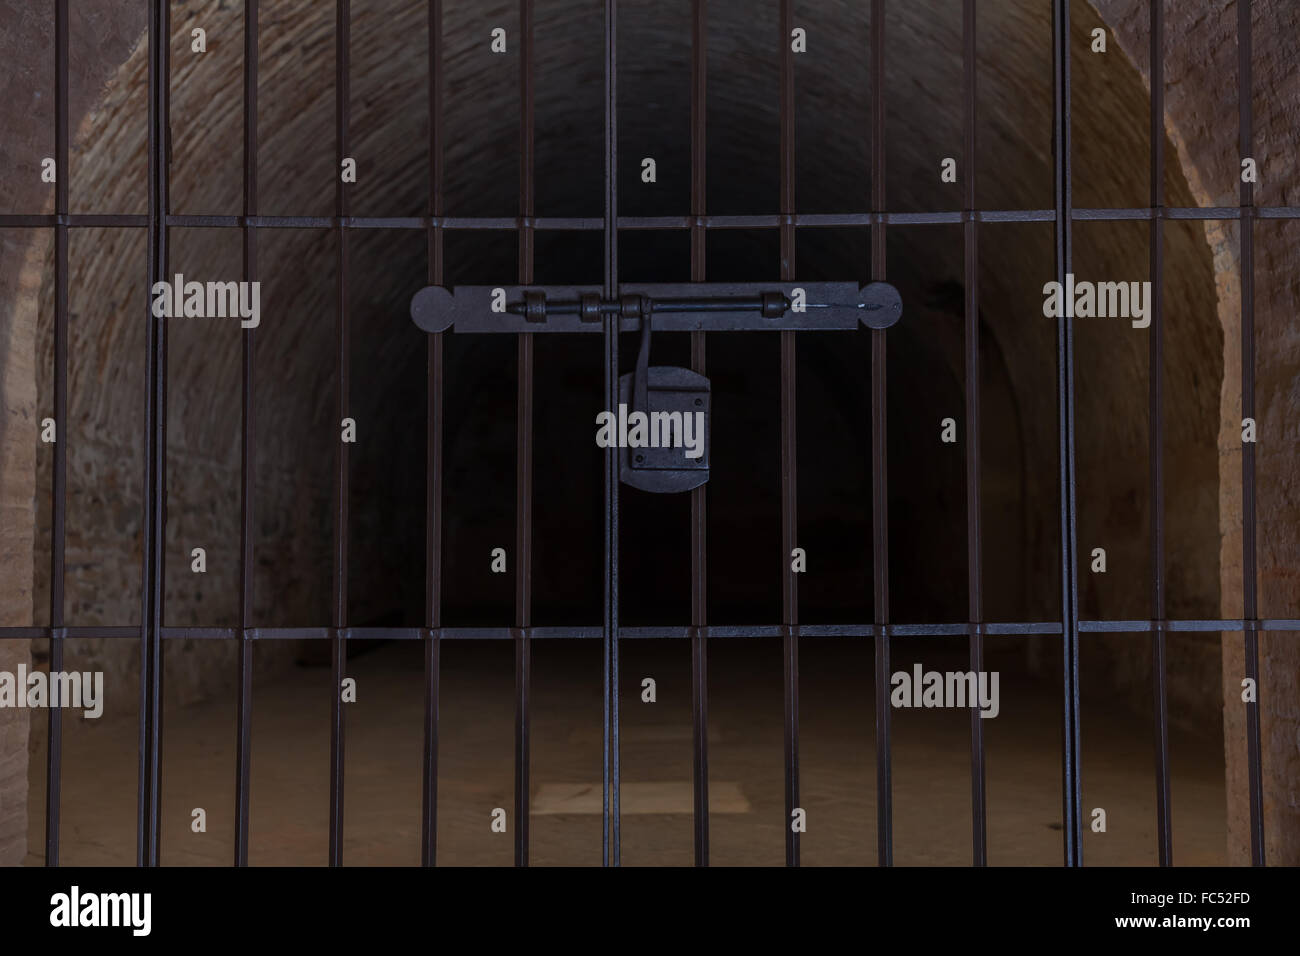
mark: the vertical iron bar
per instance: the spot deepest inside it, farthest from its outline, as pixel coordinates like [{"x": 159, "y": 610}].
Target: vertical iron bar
[
  {"x": 153, "y": 526},
  {"x": 699, "y": 501},
  {"x": 524, "y": 446},
  {"x": 247, "y": 480},
  {"x": 58, "y": 501},
  {"x": 1245, "y": 90},
  {"x": 879, "y": 462},
  {"x": 339, "y": 650},
  {"x": 610, "y": 771},
  {"x": 1155, "y": 362},
  {"x": 433, "y": 464},
  {"x": 974, "y": 550},
  {"x": 1072, "y": 813},
  {"x": 789, "y": 459}
]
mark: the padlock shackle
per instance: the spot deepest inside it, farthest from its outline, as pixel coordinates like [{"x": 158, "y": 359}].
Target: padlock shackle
[{"x": 641, "y": 377}]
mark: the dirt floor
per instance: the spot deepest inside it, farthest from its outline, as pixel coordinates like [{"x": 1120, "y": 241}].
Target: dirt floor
[{"x": 931, "y": 765}]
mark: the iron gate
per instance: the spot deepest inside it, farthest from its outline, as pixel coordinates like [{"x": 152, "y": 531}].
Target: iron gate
[{"x": 787, "y": 221}]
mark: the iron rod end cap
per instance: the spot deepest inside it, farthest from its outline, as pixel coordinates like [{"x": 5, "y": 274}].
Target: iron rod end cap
[
  {"x": 432, "y": 309},
  {"x": 882, "y": 305}
]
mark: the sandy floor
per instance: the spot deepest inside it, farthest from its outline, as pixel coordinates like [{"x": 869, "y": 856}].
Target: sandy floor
[{"x": 837, "y": 759}]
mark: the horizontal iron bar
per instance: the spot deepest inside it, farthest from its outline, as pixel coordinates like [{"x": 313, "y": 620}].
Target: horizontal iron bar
[
  {"x": 667, "y": 631},
  {"x": 697, "y": 306},
  {"x": 660, "y": 306},
  {"x": 635, "y": 223},
  {"x": 1111, "y": 627}
]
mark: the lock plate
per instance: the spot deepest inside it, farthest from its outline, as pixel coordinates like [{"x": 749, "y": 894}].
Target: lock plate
[{"x": 675, "y": 426}]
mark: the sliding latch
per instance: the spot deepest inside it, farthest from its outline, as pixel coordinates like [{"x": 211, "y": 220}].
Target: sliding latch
[
  {"x": 696, "y": 306},
  {"x": 661, "y": 425}
]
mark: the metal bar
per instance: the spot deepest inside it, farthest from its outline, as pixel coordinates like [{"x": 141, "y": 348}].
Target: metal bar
[
  {"x": 693, "y": 304},
  {"x": 1155, "y": 374},
  {"x": 1072, "y": 824},
  {"x": 699, "y": 499},
  {"x": 1207, "y": 212},
  {"x": 658, "y": 632},
  {"x": 610, "y": 814},
  {"x": 58, "y": 494},
  {"x": 433, "y": 464},
  {"x": 789, "y": 459},
  {"x": 974, "y": 551},
  {"x": 154, "y": 519},
  {"x": 807, "y": 220},
  {"x": 339, "y": 650},
  {"x": 1189, "y": 625},
  {"x": 1250, "y": 606},
  {"x": 247, "y": 475},
  {"x": 677, "y": 307},
  {"x": 879, "y": 461},
  {"x": 524, "y": 444}
]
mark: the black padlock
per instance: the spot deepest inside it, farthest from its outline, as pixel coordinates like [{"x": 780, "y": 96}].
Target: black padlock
[{"x": 667, "y": 409}]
